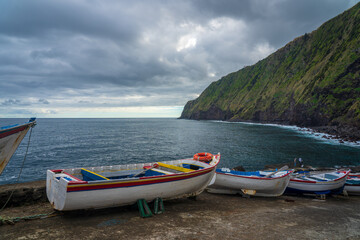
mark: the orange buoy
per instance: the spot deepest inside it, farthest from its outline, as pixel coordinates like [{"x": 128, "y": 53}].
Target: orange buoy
[{"x": 204, "y": 157}]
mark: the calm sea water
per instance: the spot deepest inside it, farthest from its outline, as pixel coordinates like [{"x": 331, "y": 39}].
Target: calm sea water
[{"x": 66, "y": 143}]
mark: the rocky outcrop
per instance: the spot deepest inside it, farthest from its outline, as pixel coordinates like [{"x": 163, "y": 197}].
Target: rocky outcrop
[{"x": 213, "y": 113}]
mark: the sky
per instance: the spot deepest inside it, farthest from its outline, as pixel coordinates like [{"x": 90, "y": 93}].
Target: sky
[{"x": 120, "y": 58}]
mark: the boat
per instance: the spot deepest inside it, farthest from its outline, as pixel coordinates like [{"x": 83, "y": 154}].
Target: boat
[
  {"x": 352, "y": 184},
  {"x": 318, "y": 182},
  {"x": 10, "y": 138},
  {"x": 119, "y": 185},
  {"x": 258, "y": 183}
]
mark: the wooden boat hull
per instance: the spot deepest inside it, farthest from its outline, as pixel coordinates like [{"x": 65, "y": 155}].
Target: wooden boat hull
[
  {"x": 325, "y": 186},
  {"x": 10, "y": 139},
  {"x": 65, "y": 192},
  {"x": 227, "y": 183},
  {"x": 352, "y": 184}
]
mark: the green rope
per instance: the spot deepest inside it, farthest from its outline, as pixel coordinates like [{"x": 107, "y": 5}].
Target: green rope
[
  {"x": 12, "y": 221},
  {"x": 22, "y": 166}
]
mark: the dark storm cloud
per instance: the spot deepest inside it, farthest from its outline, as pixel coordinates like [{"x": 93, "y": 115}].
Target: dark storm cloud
[
  {"x": 278, "y": 19},
  {"x": 139, "y": 53},
  {"x": 253, "y": 10},
  {"x": 52, "y": 18}
]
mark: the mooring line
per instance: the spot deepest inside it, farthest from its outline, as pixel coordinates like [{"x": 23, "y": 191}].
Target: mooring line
[
  {"x": 12, "y": 221},
  {"x": 22, "y": 166}
]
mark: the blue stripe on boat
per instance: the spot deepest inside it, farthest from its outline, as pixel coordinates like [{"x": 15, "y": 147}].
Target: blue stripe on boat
[{"x": 239, "y": 173}]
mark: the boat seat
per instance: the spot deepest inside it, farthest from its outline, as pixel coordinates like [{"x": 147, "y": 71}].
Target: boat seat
[
  {"x": 330, "y": 176},
  {"x": 306, "y": 178},
  {"x": 91, "y": 176},
  {"x": 173, "y": 167},
  {"x": 192, "y": 166},
  {"x": 161, "y": 171},
  {"x": 120, "y": 173},
  {"x": 317, "y": 178}
]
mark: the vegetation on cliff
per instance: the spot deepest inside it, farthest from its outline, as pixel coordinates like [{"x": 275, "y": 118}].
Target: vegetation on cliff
[{"x": 312, "y": 81}]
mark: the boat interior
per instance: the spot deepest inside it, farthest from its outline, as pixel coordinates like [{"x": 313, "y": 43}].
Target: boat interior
[
  {"x": 319, "y": 177},
  {"x": 353, "y": 181},
  {"x": 158, "y": 169},
  {"x": 250, "y": 174}
]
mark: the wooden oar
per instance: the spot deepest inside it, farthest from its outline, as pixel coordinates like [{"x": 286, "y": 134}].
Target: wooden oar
[
  {"x": 147, "y": 169},
  {"x": 279, "y": 170}
]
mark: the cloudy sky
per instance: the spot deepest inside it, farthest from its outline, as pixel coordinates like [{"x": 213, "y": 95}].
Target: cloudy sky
[{"x": 104, "y": 58}]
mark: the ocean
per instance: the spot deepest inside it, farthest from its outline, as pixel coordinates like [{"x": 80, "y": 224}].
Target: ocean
[{"x": 67, "y": 143}]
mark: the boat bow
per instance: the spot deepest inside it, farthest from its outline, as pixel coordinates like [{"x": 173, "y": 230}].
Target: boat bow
[{"x": 10, "y": 139}]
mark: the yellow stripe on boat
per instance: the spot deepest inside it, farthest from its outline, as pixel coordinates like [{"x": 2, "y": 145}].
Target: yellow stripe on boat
[
  {"x": 180, "y": 169},
  {"x": 95, "y": 174}
]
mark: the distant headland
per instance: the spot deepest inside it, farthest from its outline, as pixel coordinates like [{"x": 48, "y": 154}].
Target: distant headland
[{"x": 313, "y": 81}]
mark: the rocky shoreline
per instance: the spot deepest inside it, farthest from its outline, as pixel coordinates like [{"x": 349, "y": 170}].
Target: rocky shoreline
[
  {"x": 342, "y": 134},
  {"x": 346, "y": 134}
]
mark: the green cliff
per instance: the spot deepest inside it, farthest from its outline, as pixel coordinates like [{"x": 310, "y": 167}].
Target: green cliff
[{"x": 313, "y": 81}]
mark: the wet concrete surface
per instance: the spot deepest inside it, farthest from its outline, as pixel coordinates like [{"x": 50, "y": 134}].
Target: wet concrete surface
[{"x": 210, "y": 216}]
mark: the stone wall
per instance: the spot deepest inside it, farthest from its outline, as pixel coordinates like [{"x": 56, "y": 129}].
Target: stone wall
[{"x": 24, "y": 193}]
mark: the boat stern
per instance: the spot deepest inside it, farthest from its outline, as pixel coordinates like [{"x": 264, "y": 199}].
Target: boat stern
[{"x": 56, "y": 188}]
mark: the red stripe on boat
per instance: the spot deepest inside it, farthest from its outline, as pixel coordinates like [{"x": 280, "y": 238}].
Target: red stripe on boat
[
  {"x": 139, "y": 182},
  {"x": 73, "y": 177},
  {"x": 305, "y": 181},
  {"x": 12, "y": 131}
]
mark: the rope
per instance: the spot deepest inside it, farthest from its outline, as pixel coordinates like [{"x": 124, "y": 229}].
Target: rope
[
  {"x": 12, "y": 221},
  {"x": 22, "y": 166}
]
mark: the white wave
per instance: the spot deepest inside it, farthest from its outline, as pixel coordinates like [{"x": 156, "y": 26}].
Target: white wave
[
  {"x": 8, "y": 178},
  {"x": 327, "y": 138},
  {"x": 307, "y": 132}
]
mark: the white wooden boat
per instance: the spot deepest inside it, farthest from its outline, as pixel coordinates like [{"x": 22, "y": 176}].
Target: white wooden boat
[
  {"x": 258, "y": 183},
  {"x": 108, "y": 186},
  {"x": 352, "y": 184},
  {"x": 10, "y": 139},
  {"x": 317, "y": 182}
]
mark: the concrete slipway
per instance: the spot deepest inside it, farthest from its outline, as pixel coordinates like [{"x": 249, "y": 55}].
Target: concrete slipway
[{"x": 208, "y": 217}]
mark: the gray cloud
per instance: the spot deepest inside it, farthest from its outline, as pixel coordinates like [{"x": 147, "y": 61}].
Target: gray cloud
[
  {"x": 63, "y": 54},
  {"x": 10, "y": 102},
  {"x": 44, "y": 101}
]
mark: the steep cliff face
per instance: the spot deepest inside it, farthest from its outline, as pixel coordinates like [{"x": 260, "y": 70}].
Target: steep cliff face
[{"x": 312, "y": 81}]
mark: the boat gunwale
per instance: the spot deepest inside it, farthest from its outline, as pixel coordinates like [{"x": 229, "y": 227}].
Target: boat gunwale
[
  {"x": 111, "y": 181},
  {"x": 352, "y": 185},
  {"x": 355, "y": 182},
  {"x": 330, "y": 181},
  {"x": 354, "y": 175},
  {"x": 10, "y": 127},
  {"x": 132, "y": 182},
  {"x": 253, "y": 177},
  {"x": 10, "y": 131},
  {"x": 99, "y": 183}
]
